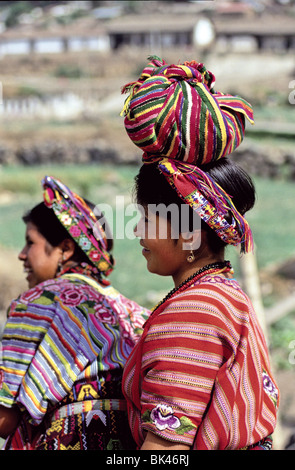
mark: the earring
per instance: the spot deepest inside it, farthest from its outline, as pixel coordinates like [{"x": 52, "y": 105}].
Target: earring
[
  {"x": 191, "y": 257},
  {"x": 60, "y": 265}
]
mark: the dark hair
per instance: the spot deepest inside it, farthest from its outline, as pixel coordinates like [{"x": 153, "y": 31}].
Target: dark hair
[
  {"x": 151, "y": 187},
  {"x": 54, "y": 232}
]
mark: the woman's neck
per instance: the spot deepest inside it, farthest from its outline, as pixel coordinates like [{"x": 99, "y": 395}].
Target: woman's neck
[{"x": 190, "y": 268}]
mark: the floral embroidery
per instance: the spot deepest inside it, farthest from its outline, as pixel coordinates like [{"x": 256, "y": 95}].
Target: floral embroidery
[
  {"x": 84, "y": 243},
  {"x": 104, "y": 314},
  {"x": 66, "y": 219},
  {"x": 72, "y": 296},
  {"x": 269, "y": 387},
  {"x": 74, "y": 231},
  {"x": 94, "y": 255},
  {"x": 162, "y": 416},
  {"x": 31, "y": 295}
]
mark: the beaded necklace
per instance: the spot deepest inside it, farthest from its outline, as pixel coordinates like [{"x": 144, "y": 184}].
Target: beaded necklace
[{"x": 216, "y": 268}]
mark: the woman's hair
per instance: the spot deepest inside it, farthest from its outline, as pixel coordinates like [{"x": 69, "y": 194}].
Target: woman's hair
[
  {"x": 151, "y": 187},
  {"x": 54, "y": 232}
]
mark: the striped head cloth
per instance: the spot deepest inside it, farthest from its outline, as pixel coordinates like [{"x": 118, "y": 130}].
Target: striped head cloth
[
  {"x": 174, "y": 115},
  {"x": 172, "y": 111},
  {"x": 79, "y": 220},
  {"x": 207, "y": 198}
]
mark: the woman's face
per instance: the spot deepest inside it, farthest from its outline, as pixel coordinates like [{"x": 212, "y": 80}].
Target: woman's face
[
  {"x": 39, "y": 257},
  {"x": 164, "y": 254}
]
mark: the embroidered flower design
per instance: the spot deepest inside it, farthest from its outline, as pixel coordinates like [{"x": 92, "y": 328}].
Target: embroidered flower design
[
  {"x": 103, "y": 266},
  {"x": 269, "y": 387},
  {"x": 75, "y": 231},
  {"x": 72, "y": 296},
  {"x": 105, "y": 315},
  {"x": 163, "y": 417},
  {"x": 84, "y": 243},
  {"x": 31, "y": 295},
  {"x": 94, "y": 255},
  {"x": 65, "y": 219}
]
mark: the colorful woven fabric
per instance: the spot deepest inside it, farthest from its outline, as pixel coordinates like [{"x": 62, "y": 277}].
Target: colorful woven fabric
[
  {"x": 209, "y": 201},
  {"x": 79, "y": 220},
  {"x": 65, "y": 340},
  {"x": 173, "y": 112},
  {"x": 200, "y": 374},
  {"x": 176, "y": 118}
]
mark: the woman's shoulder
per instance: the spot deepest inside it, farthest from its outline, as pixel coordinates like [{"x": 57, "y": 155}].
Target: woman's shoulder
[
  {"x": 209, "y": 298},
  {"x": 216, "y": 284}
]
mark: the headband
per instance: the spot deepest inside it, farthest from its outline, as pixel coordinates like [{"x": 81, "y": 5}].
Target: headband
[
  {"x": 209, "y": 201},
  {"x": 79, "y": 220}
]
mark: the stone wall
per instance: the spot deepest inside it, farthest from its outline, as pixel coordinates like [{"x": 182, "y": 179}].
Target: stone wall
[
  {"x": 64, "y": 152},
  {"x": 255, "y": 160}
]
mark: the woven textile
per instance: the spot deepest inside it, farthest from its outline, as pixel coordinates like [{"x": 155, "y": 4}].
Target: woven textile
[
  {"x": 173, "y": 112},
  {"x": 209, "y": 201},
  {"x": 79, "y": 220},
  {"x": 65, "y": 340},
  {"x": 204, "y": 377}
]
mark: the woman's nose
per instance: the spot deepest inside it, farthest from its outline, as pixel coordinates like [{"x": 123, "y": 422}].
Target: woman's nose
[
  {"x": 139, "y": 228},
  {"x": 22, "y": 255}
]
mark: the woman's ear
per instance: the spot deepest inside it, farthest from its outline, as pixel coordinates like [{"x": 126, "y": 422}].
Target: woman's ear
[{"x": 67, "y": 247}]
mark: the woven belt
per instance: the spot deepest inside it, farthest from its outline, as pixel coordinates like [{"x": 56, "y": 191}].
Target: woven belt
[{"x": 79, "y": 407}]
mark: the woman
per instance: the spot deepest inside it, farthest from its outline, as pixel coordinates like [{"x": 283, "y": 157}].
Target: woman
[
  {"x": 67, "y": 338},
  {"x": 199, "y": 377}
]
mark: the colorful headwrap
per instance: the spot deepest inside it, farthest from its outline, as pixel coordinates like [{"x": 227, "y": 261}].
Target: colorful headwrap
[
  {"x": 79, "y": 220},
  {"x": 174, "y": 115},
  {"x": 172, "y": 111}
]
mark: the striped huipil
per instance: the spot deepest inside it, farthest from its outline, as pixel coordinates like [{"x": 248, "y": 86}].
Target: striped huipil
[
  {"x": 200, "y": 374},
  {"x": 64, "y": 347}
]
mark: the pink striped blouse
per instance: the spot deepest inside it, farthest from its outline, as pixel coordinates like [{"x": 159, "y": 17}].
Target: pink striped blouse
[{"x": 205, "y": 378}]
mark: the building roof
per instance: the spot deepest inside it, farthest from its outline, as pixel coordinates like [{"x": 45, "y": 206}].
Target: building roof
[
  {"x": 151, "y": 23},
  {"x": 273, "y": 25},
  {"x": 86, "y": 27}
]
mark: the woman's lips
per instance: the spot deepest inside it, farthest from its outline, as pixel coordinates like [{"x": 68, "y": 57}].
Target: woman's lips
[
  {"x": 144, "y": 249},
  {"x": 28, "y": 271}
]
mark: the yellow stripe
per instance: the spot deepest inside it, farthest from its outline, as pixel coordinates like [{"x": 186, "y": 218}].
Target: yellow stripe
[
  {"x": 218, "y": 114},
  {"x": 53, "y": 366},
  {"x": 29, "y": 392},
  {"x": 150, "y": 109},
  {"x": 206, "y": 140}
]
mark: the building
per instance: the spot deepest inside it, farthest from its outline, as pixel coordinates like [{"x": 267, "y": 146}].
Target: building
[{"x": 241, "y": 33}]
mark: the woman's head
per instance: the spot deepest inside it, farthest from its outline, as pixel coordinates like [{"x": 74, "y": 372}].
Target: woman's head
[
  {"x": 83, "y": 221},
  {"x": 64, "y": 230},
  {"x": 185, "y": 128},
  {"x": 152, "y": 188},
  {"x": 42, "y": 258}
]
